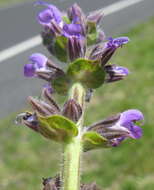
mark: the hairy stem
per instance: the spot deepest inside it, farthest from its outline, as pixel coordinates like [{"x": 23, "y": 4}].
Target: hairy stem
[{"x": 73, "y": 150}]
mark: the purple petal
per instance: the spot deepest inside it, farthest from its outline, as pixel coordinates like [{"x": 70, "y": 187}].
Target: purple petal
[
  {"x": 45, "y": 17},
  {"x": 130, "y": 116},
  {"x": 72, "y": 30},
  {"x": 121, "y": 40},
  {"x": 39, "y": 60},
  {"x": 136, "y": 132},
  {"x": 117, "y": 141},
  {"x": 29, "y": 70},
  {"x": 120, "y": 70},
  {"x": 49, "y": 88},
  {"x": 55, "y": 12},
  {"x": 117, "y": 42}
]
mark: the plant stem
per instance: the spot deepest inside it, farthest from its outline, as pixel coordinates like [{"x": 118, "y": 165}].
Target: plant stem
[{"x": 73, "y": 150}]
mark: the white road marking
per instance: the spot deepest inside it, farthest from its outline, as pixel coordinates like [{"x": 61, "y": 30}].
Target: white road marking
[{"x": 36, "y": 40}]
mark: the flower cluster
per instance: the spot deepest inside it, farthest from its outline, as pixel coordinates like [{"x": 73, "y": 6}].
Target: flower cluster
[
  {"x": 76, "y": 39},
  {"x": 67, "y": 37}
]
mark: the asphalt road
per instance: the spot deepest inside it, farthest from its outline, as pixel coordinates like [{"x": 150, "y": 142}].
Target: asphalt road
[{"x": 18, "y": 24}]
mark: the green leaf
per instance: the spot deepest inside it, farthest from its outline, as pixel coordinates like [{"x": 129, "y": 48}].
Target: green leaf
[
  {"x": 57, "y": 128},
  {"x": 88, "y": 72},
  {"x": 61, "y": 84},
  {"x": 93, "y": 140},
  {"x": 60, "y": 48}
]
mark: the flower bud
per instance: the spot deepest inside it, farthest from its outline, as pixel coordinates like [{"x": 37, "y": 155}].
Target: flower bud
[
  {"x": 76, "y": 48},
  {"x": 96, "y": 52},
  {"x": 47, "y": 95},
  {"x": 72, "y": 110},
  {"x": 95, "y": 17},
  {"x": 77, "y": 16},
  {"x": 101, "y": 36},
  {"x": 115, "y": 73},
  {"x": 45, "y": 75},
  {"x": 41, "y": 107},
  {"x": 52, "y": 65}
]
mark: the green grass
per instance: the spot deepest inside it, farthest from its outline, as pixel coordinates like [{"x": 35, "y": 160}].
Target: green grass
[{"x": 25, "y": 157}]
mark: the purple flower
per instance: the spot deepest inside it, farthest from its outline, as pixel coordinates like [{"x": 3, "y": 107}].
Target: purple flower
[
  {"x": 77, "y": 26},
  {"x": 117, "y": 42},
  {"x": 76, "y": 14},
  {"x": 128, "y": 120},
  {"x": 119, "y": 127},
  {"x": 72, "y": 30},
  {"x": 38, "y": 62},
  {"x": 115, "y": 73},
  {"x": 50, "y": 13}
]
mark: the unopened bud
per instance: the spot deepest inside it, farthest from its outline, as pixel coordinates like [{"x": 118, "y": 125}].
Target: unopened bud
[
  {"x": 96, "y": 53},
  {"x": 52, "y": 65},
  {"x": 115, "y": 73},
  {"x": 45, "y": 75},
  {"x": 95, "y": 17},
  {"x": 41, "y": 107},
  {"x": 72, "y": 110},
  {"x": 76, "y": 48},
  {"x": 47, "y": 95},
  {"x": 101, "y": 36}
]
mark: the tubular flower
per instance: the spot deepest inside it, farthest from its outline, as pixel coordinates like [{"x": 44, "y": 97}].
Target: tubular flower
[
  {"x": 115, "y": 73},
  {"x": 119, "y": 127},
  {"x": 117, "y": 42},
  {"x": 37, "y": 63},
  {"x": 77, "y": 16},
  {"x": 104, "y": 52},
  {"x": 40, "y": 66},
  {"x": 51, "y": 13}
]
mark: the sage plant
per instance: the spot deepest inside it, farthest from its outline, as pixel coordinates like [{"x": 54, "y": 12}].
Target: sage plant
[{"x": 77, "y": 41}]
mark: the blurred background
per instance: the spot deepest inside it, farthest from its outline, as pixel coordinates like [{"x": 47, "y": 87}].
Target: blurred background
[{"x": 26, "y": 157}]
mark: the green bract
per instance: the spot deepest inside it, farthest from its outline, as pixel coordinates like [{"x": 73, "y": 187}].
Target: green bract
[
  {"x": 57, "y": 128},
  {"x": 60, "y": 48},
  {"x": 61, "y": 84},
  {"x": 87, "y": 72},
  {"x": 93, "y": 140},
  {"x": 92, "y": 34}
]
